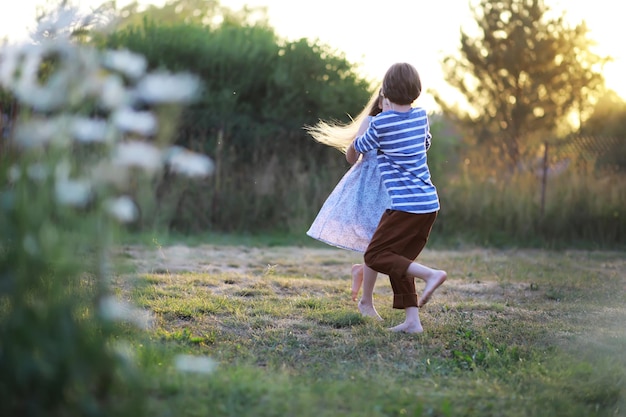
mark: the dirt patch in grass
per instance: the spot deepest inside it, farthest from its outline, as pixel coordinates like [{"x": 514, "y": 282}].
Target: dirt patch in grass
[
  {"x": 241, "y": 260},
  {"x": 478, "y": 277}
]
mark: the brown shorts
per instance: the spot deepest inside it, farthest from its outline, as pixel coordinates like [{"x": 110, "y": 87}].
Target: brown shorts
[{"x": 399, "y": 238}]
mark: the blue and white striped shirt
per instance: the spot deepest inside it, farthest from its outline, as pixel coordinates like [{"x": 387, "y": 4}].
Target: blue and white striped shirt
[{"x": 402, "y": 139}]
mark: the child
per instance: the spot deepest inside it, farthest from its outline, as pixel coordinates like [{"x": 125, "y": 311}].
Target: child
[
  {"x": 360, "y": 195},
  {"x": 400, "y": 137}
]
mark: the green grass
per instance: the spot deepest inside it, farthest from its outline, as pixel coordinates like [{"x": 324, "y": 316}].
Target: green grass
[{"x": 511, "y": 333}]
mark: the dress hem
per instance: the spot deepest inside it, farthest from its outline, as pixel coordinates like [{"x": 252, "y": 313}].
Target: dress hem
[{"x": 336, "y": 245}]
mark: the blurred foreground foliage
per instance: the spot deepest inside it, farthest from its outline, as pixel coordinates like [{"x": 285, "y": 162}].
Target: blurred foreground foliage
[{"x": 90, "y": 125}]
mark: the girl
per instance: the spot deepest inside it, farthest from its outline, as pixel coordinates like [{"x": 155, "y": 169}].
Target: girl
[{"x": 351, "y": 212}]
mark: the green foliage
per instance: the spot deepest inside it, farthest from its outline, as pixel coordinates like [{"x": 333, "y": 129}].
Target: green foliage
[
  {"x": 600, "y": 199},
  {"x": 58, "y": 356},
  {"x": 581, "y": 207},
  {"x": 73, "y": 153},
  {"x": 444, "y": 156},
  {"x": 258, "y": 93}
]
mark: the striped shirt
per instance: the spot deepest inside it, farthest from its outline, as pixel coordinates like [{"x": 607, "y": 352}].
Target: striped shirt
[{"x": 402, "y": 139}]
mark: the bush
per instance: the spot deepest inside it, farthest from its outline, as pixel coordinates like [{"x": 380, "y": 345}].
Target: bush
[{"x": 84, "y": 136}]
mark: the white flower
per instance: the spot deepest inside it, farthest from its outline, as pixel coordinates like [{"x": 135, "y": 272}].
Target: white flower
[
  {"x": 56, "y": 90},
  {"x": 57, "y": 24},
  {"x": 168, "y": 88},
  {"x": 105, "y": 173},
  {"x": 198, "y": 364},
  {"x": 137, "y": 154},
  {"x": 112, "y": 92},
  {"x": 62, "y": 170},
  {"x": 115, "y": 310},
  {"x": 14, "y": 173},
  {"x": 189, "y": 163},
  {"x": 124, "y": 351},
  {"x": 39, "y": 132},
  {"x": 30, "y": 245},
  {"x": 9, "y": 60},
  {"x": 141, "y": 122},
  {"x": 37, "y": 172},
  {"x": 128, "y": 63},
  {"x": 90, "y": 130},
  {"x": 122, "y": 208},
  {"x": 75, "y": 193}
]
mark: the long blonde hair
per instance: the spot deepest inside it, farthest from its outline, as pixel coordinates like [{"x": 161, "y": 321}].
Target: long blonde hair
[{"x": 341, "y": 135}]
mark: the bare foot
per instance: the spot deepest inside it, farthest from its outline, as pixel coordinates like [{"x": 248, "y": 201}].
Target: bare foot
[
  {"x": 408, "y": 328},
  {"x": 357, "y": 280},
  {"x": 368, "y": 310},
  {"x": 432, "y": 283}
]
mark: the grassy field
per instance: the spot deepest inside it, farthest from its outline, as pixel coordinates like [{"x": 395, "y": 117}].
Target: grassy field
[{"x": 511, "y": 333}]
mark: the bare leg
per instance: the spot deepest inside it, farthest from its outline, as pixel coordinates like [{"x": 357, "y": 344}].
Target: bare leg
[
  {"x": 412, "y": 323},
  {"x": 433, "y": 278},
  {"x": 357, "y": 280},
  {"x": 366, "y": 305}
]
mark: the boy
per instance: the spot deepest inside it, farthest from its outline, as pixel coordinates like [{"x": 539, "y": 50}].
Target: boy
[{"x": 401, "y": 137}]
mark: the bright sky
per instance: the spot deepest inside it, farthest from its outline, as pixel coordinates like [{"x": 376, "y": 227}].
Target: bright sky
[{"x": 415, "y": 31}]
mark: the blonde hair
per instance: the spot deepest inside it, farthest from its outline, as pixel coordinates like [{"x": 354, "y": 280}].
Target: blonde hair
[{"x": 340, "y": 135}]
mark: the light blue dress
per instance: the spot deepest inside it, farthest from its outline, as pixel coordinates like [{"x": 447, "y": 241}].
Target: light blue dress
[{"x": 350, "y": 214}]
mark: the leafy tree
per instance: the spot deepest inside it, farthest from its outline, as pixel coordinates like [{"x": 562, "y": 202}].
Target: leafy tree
[
  {"x": 522, "y": 74},
  {"x": 251, "y": 81}
]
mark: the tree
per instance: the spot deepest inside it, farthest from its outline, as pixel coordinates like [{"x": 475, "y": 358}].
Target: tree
[{"x": 522, "y": 76}]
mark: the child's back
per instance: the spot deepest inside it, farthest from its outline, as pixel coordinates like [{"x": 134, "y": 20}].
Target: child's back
[
  {"x": 400, "y": 135},
  {"x": 401, "y": 139}
]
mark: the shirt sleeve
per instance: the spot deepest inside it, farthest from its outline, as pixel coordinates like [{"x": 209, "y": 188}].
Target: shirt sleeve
[{"x": 368, "y": 140}]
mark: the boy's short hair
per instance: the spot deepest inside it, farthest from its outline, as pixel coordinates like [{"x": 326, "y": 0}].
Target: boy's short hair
[{"x": 402, "y": 84}]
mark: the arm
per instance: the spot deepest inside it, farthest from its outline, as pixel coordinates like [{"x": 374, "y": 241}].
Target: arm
[{"x": 351, "y": 154}]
